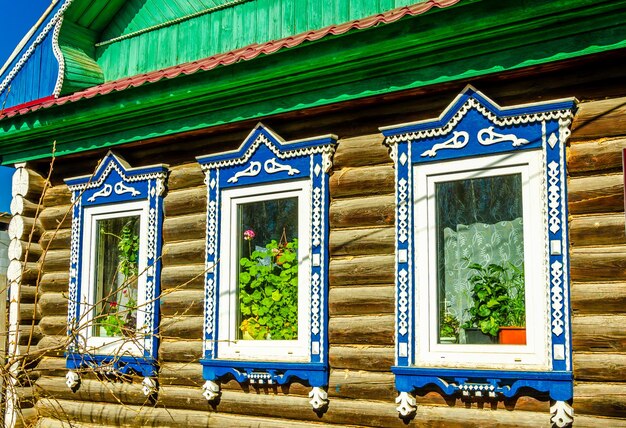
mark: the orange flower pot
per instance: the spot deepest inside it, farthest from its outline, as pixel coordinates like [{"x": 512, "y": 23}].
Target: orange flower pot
[{"x": 512, "y": 336}]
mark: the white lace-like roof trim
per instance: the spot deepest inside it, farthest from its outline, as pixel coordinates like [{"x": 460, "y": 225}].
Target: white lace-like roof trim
[
  {"x": 474, "y": 103},
  {"x": 262, "y": 139},
  {"x": 114, "y": 166}
]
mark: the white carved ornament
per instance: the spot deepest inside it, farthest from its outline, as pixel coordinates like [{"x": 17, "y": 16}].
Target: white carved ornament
[
  {"x": 458, "y": 140},
  {"x": 488, "y": 136},
  {"x": 554, "y": 195},
  {"x": 562, "y": 414},
  {"x": 319, "y": 398},
  {"x": 271, "y": 166},
  {"x": 406, "y": 404},
  {"x": 557, "y": 297}
]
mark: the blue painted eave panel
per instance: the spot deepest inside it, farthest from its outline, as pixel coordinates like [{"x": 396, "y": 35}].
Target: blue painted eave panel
[{"x": 34, "y": 71}]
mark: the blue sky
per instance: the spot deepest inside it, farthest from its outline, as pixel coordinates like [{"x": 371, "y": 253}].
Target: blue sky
[{"x": 16, "y": 17}]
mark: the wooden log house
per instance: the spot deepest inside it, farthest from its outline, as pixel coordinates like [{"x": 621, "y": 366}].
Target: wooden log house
[{"x": 281, "y": 213}]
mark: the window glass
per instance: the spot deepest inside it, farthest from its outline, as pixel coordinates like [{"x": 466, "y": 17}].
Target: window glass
[
  {"x": 116, "y": 272},
  {"x": 268, "y": 270},
  {"x": 480, "y": 259}
]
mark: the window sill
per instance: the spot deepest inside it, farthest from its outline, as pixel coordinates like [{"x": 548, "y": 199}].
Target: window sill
[
  {"x": 506, "y": 383},
  {"x": 146, "y": 366}
]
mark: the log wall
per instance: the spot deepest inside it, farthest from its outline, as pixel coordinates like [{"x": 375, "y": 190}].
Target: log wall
[{"x": 361, "y": 305}]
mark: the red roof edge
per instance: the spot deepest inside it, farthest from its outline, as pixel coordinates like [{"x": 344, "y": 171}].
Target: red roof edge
[{"x": 243, "y": 54}]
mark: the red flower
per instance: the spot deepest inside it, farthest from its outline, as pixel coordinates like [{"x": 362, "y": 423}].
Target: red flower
[
  {"x": 249, "y": 235},
  {"x": 113, "y": 304}
]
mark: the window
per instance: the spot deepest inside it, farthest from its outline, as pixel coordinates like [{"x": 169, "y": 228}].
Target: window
[
  {"x": 481, "y": 265},
  {"x": 115, "y": 270},
  {"x": 267, "y": 264},
  {"x": 475, "y": 257},
  {"x": 266, "y": 272}
]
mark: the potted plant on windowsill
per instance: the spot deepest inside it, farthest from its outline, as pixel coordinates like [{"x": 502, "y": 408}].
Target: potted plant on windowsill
[
  {"x": 513, "y": 328},
  {"x": 491, "y": 298}
]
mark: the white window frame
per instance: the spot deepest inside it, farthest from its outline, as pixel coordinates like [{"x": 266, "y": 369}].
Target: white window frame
[
  {"x": 263, "y": 350},
  {"x": 111, "y": 345},
  {"x": 533, "y": 355}
]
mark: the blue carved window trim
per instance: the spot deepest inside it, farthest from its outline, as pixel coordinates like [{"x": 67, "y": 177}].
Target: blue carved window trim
[
  {"x": 115, "y": 185},
  {"x": 474, "y": 126},
  {"x": 265, "y": 159}
]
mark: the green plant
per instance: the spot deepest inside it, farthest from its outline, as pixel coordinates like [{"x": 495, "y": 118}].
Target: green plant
[
  {"x": 268, "y": 292},
  {"x": 516, "y": 311},
  {"x": 498, "y": 297},
  {"x": 122, "y": 319},
  {"x": 449, "y": 325}
]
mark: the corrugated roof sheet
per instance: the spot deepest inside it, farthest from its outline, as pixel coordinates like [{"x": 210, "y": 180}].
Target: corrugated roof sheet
[{"x": 243, "y": 54}]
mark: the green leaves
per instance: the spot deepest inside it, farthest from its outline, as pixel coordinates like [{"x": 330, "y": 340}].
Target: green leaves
[
  {"x": 268, "y": 292},
  {"x": 498, "y": 295}
]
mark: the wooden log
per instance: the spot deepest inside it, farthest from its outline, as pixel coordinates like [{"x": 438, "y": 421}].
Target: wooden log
[
  {"x": 602, "y": 229},
  {"x": 595, "y": 156},
  {"x": 57, "y": 195},
  {"x": 22, "y": 250},
  {"x": 52, "y": 366},
  {"x": 108, "y": 415},
  {"x": 362, "y": 385},
  {"x": 25, "y": 229},
  {"x": 361, "y": 357},
  {"x": 182, "y": 228},
  {"x": 596, "y": 194},
  {"x": 365, "y": 181},
  {"x": 27, "y": 183},
  {"x": 362, "y": 212},
  {"x": 189, "y": 374},
  {"x": 598, "y": 297},
  {"x": 27, "y": 417},
  {"x": 52, "y": 345},
  {"x": 53, "y": 304},
  {"x": 600, "y": 367},
  {"x": 182, "y": 327},
  {"x": 56, "y": 239},
  {"x": 56, "y": 423},
  {"x": 361, "y": 300},
  {"x": 30, "y": 334},
  {"x": 24, "y": 207},
  {"x": 344, "y": 411},
  {"x": 53, "y": 325},
  {"x": 182, "y": 302},
  {"x": 600, "y": 119},
  {"x": 362, "y": 270},
  {"x": 185, "y": 176},
  {"x": 29, "y": 311},
  {"x": 54, "y": 282},
  {"x": 183, "y": 277},
  {"x": 366, "y": 330},
  {"x": 57, "y": 217},
  {"x": 361, "y": 151},
  {"x": 24, "y": 272},
  {"x": 56, "y": 261},
  {"x": 183, "y": 202},
  {"x": 28, "y": 293},
  {"x": 602, "y": 399},
  {"x": 180, "y": 350},
  {"x": 184, "y": 252},
  {"x": 599, "y": 333},
  {"x": 595, "y": 264},
  {"x": 262, "y": 406},
  {"x": 358, "y": 242}
]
